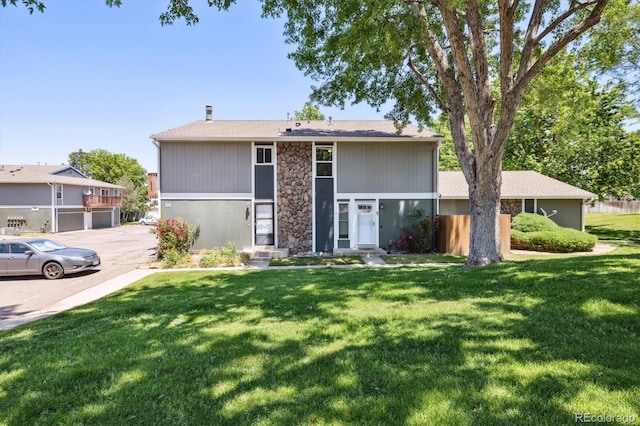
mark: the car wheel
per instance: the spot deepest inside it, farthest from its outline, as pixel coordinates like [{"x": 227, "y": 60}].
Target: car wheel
[
  {"x": 52, "y": 271},
  {"x": 143, "y": 223}
]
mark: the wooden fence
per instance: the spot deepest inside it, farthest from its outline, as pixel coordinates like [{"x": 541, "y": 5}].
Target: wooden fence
[
  {"x": 615, "y": 207},
  {"x": 454, "y": 232}
]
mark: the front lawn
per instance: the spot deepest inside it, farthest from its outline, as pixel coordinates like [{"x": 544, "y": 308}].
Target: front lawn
[
  {"x": 527, "y": 343},
  {"x": 613, "y": 226}
]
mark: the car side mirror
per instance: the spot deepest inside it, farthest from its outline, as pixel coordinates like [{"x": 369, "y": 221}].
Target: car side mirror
[{"x": 29, "y": 252}]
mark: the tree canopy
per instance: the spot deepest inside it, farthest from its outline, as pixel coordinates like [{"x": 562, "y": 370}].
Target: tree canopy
[
  {"x": 472, "y": 60},
  {"x": 309, "y": 112},
  {"x": 118, "y": 169}
]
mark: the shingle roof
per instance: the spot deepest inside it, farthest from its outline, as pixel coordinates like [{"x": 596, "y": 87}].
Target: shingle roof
[
  {"x": 292, "y": 130},
  {"x": 45, "y": 174},
  {"x": 515, "y": 184}
]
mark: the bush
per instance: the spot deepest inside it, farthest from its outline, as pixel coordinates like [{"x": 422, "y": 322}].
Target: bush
[
  {"x": 225, "y": 256},
  {"x": 560, "y": 240},
  {"x": 175, "y": 235},
  {"x": 418, "y": 239},
  {"x": 531, "y": 222},
  {"x": 172, "y": 257}
]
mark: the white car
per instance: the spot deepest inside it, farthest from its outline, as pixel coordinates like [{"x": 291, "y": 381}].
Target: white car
[{"x": 150, "y": 219}]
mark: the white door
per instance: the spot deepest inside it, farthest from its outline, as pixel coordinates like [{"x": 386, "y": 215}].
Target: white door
[{"x": 366, "y": 224}]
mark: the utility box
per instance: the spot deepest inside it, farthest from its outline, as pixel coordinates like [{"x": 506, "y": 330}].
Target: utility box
[{"x": 454, "y": 233}]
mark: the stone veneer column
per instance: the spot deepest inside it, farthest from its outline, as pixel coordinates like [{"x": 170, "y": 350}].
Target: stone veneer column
[{"x": 294, "y": 196}]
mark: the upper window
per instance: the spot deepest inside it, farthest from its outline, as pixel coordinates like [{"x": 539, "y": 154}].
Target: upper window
[
  {"x": 264, "y": 155},
  {"x": 324, "y": 161}
]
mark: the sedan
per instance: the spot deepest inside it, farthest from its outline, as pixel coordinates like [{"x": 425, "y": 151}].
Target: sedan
[{"x": 41, "y": 256}]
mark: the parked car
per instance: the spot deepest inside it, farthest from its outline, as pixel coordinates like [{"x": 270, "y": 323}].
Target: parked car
[
  {"x": 41, "y": 256},
  {"x": 150, "y": 219}
]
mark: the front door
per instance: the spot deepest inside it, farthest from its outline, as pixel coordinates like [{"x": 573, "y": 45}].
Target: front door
[
  {"x": 366, "y": 223},
  {"x": 264, "y": 224}
]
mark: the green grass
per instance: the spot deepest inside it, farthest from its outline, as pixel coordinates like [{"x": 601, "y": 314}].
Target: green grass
[
  {"x": 316, "y": 260},
  {"x": 421, "y": 259},
  {"x": 526, "y": 343},
  {"x": 611, "y": 226}
]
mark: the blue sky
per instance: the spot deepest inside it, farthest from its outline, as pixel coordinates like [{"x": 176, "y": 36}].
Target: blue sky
[{"x": 85, "y": 76}]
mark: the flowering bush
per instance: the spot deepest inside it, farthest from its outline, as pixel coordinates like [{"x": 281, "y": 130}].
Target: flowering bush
[
  {"x": 418, "y": 239},
  {"x": 175, "y": 236}
]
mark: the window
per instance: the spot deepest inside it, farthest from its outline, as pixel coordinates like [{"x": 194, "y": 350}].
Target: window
[
  {"x": 18, "y": 248},
  {"x": 343, "y": 220},
  {"x": 264, "y": 155},
  {"x": 104, "y": 191},
  {"x": 58, "y": 191},
  {"x": 324, "y": 161}
]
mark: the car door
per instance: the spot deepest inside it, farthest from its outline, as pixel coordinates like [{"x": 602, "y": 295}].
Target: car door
[
  {"x": 22, "y": 259},
  {"x": 3, "y": 258}
]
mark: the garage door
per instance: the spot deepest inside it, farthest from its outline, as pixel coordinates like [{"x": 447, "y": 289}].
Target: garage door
[
  {"x": 101, "y": 219},
  {"x": 70, "y": 221}
]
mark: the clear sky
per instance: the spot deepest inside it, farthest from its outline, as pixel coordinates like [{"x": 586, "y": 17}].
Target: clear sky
[{"x": 85, "y": 76}]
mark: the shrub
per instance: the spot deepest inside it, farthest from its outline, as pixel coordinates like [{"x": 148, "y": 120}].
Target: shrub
[
  {"x": 418, "y": 239},
  {"x": 531, "y": 222},
  {"x": 561, "y": 240},
  {"x": 176, "y": 235},
  {"x": 225, "y": 256},
  {"x": 172, "y": 257}
]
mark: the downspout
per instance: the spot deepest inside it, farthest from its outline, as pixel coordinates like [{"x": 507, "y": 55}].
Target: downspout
[
  {"x": 157, "y": 145},
  {"x": 54, "y": 224}
]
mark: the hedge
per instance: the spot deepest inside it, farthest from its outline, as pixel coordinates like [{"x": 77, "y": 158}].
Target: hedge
[{"x": 531, "y": 231}]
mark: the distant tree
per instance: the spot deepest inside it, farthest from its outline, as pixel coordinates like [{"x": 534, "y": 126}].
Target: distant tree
[
  {"x": 309, "y": 112},
  {"x": 108, "y": 167},
  {"x": 118, "y": 169},
  {"x": 133, "y": 199}
]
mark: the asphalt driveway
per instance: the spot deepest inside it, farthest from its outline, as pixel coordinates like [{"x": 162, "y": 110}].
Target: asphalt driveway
[{"x": 121, "y": 249}]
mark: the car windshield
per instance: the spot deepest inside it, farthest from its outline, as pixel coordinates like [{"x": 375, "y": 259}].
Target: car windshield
[{"x": 47, "y": 245}]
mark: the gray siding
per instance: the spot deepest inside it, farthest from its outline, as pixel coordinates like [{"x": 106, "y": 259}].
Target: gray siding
[
  {"x": 569, "y": 212},
  {"x": 72, "y": 195},
  {"x": 35, "y": 220},
  {"x": 378, "y": 167},
  {"x": 220, "y": 221},
  {"x": 393, "y": 220},
  {"x": 69, "y": 172},
  {"x": 28, "y": 194},
  {"x": 193, "y": 167},
  {"x": 453, "y": 207}
]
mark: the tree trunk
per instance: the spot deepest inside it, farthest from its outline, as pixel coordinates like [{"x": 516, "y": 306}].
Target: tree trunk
[{"x": 484, "y": 204}]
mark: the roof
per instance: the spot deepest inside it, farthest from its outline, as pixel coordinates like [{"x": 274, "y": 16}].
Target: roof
[
  {"x": 291, "y": 130},
  {"x": 515, "y": 184},
  {"x": 46, "y": 174}
]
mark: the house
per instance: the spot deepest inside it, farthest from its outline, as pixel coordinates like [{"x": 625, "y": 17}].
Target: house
[
  {"x": 300, "y": 186},
  {"x": 521, "y": 191},
  {"x": 55, "y": 198}
]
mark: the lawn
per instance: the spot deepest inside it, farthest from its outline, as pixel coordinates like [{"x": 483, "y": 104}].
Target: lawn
[
  {"x": 529, "y": 342},
  {"x": 610, "y": 226}
]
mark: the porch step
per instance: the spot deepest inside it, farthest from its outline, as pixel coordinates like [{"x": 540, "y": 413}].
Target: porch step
[{"x": 364, "y": 252}]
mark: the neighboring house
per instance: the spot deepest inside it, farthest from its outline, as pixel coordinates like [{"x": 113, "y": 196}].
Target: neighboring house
[
  {"x": 522, "y": 191},
  {"x": 55, "y": 199},
  {"x": 297, "y": 185}
]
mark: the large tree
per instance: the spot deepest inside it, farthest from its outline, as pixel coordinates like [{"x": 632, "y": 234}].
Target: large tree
[
  {"x": 570, "y": 126},
  {"x": 424, "y": 55}
]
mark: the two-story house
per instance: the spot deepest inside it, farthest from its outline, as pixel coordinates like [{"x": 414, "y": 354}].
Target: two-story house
[
  {"x": 305, "y": 186},
  {"x": 55, "y": 199}
]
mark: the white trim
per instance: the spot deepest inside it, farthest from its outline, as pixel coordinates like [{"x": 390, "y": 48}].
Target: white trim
[
  {"x": 207, "y": 196},
  {"x": 388, "y": 195},
  {"x": 375, "y": 227}
]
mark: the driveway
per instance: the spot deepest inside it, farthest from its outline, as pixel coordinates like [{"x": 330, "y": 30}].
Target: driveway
[{"x": 121, "y": 250}]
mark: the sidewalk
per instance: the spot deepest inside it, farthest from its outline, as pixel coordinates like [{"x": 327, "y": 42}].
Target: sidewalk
[{"x": 108, "y": 287}]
